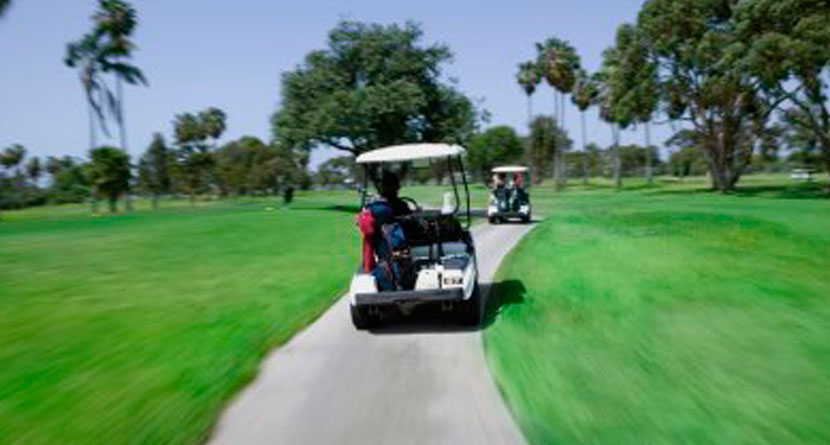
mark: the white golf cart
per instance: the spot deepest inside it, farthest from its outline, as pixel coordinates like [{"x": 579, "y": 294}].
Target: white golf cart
[
  {"x": 438, "y": 264},
  {"x": 509, "y": 198}
]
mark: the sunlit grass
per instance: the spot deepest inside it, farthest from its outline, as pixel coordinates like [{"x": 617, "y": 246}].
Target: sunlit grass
[
  {"x": 669, "y": 315},
  {"x": 137, "y": 328}
]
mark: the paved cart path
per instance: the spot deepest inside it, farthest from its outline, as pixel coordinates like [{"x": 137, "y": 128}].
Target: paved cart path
[{"x": 415, "y": 381}]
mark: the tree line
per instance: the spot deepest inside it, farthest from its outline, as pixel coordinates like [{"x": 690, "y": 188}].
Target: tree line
[{"x": 736, "y": 77}]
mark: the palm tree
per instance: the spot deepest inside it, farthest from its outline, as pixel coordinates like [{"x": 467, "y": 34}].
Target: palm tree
[
  {"x": 110, "y": 172},
  {"x": 585, "y": 94},
  {"x": 115, "y": 22},
  {"x": 4, "y": 4},
  {"x": 613, "y": 108},
  {"x": 528, "y": 78},
  {"x": 85, "y": 55},
  {"x": 558, "y": 62}
]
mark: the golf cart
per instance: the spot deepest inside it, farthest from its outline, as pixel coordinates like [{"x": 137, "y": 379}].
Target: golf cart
[
  {"x": 420, "y": 256},
  {"x": 509, "y": 198}
]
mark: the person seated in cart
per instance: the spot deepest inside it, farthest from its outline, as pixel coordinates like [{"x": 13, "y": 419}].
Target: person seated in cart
[{"x": 388, "y": 188}]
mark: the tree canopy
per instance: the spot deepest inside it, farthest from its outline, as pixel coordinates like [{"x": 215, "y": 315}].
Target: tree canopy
[
  {"x": 373, "y": 86},
  {"x": 497, "y": 145}
]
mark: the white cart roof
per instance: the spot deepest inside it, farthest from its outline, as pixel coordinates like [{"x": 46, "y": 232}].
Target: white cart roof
[
  {"x": 510, "y": 169},
  {"x": 410, "y": 152}
]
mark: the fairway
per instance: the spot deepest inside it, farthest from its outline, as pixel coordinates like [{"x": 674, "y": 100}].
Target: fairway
[
  {"x": 138, "y": 328},
  {"x": 670, "y": 316}
]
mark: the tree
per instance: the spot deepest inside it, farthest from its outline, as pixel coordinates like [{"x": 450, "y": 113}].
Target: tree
[
  {"x": 192, "y": 132},
  {"x": 559, "y": 64},
  {"x": 783, "y": 44},
  {"x": 529, "y": 78},
  {"x": 115, "y": 22},
  {"x": 497, "y": 145},
  {"x": 585, "y": 94},
  {"x": 154, "y": 171},
  {"x": 109, "y": 171},
  {"x": 4, "y": 5},
  {"x": 697, "y": 46},
  {"x": 545, "y": 138},
  {"x": 70, "y": 182},
  {"x": 638, "y": 83},
  {"x": 372, "y": 86},
  {"x": 611, "y": 109},
  {"x": 34, "y": 169},
  {"x": 12, "y": 156}
]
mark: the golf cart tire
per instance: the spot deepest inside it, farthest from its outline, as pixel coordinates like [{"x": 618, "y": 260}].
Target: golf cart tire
[
  {"x": 493, "y": 220},
  {"x": 471, "y": 312},
  {"x": 526, "y": 219},
  {"x": 362, "y": 319}
]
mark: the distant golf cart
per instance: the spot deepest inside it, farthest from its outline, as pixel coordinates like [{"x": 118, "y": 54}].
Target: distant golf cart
[
  {"x": 509, "y": 198},
  {"x": 423, "y": 257}
]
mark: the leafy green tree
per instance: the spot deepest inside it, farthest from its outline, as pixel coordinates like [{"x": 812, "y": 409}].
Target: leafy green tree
[
  {"x": 529, "y": 78},
  {"x": 783, "y": 44},
  {"x": 109, "y": 171},
  {"x": 496, "y": 145},
  {"x": 697, "y": 46},
  {"x": 192, "y": 132},
  {"x": 638, "y": 82},
  {"x": 70, "y": 183},
  {"x": 687, "y": 159},
  {"x": 545, "y": 138},
  {"x": 12, "y": 156},
  {"x": 34, "y": 169},
  {"x": 154, "y": 169},
  {"x": 585, "y": 94},
  {"x": 611, "y": 109},
  {"x": 559, "y": 64},
  {"x": 372, "y": 86},
  {"x": 335, "y": 170}
]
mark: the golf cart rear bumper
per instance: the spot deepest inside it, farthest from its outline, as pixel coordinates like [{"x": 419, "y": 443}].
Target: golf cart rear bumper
[
  {"x": 509, "y": 214},
  {"x": 409, "y": 296}
]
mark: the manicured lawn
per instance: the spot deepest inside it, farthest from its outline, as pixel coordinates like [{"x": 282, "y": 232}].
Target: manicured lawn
[
  {"x": 138, "y": 328},
  {"x": 669, "y": 315}
]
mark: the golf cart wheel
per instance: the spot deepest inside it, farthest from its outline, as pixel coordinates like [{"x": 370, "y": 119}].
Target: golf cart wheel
[
  {"x": 493, "y": 220},
  {"x": 362, "y": 319},
  {"x": 471, "y": 312},
  {"x": 526, "y": 218}
]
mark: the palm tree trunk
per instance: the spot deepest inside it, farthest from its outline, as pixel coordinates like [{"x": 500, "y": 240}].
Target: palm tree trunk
[
  {"x": 615, "y": 134},
  {"x": 563, "y": 175},
  {"x": 93, "y": 201},
  {"x": 529, "y": 109},
  {"x": 122, "y": 131},
  {"x": 584, "y": 151},
  {"x": 649, "y": 175},
  {"x": 556, "y": 139}
]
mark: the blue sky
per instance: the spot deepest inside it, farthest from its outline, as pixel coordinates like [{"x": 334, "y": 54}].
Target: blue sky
[{"x": 230, "y": 55}]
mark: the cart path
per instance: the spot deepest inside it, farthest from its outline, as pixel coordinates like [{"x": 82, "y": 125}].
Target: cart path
[{"x": 413, "y": 382}]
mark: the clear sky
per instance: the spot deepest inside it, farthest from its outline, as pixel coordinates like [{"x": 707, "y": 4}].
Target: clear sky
[{"x": 199, "y": 53}]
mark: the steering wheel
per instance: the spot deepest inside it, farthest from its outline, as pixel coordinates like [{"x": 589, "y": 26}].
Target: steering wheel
[{"x": 413, "y": 205}]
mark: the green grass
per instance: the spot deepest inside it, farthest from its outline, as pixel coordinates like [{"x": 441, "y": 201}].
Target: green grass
[
  {"x": 138, "y": 328},
  {"x": 668, "y": 315}
]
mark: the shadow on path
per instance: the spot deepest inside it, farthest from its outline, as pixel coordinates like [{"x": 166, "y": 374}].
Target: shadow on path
[{"x": 431, "y": 319}]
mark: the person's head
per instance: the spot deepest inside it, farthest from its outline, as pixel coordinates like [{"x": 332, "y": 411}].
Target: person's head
[{"x": 389, "y": 185}]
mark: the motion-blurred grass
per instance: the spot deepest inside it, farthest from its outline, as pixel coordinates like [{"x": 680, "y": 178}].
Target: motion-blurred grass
[
  {"x": 668, "y": 315},
  {"x": 137, "y": 328}
]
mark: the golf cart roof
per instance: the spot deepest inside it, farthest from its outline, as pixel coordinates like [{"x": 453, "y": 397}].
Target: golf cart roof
[
  {"x": 510, "y": 169},
  {"x": 410, "y": 152}
]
